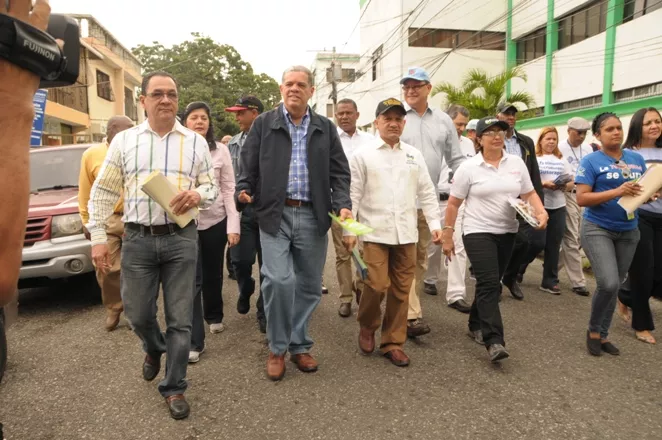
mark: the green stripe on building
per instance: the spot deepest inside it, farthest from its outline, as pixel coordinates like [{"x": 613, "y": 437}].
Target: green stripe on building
[
  {"x": 614, "y": 17},
  {"x": 552, "y": 44},
  {"x": 511, "y": 45}
]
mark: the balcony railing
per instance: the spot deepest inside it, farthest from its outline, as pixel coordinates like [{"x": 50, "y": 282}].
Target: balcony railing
[{"x": 74, "y": 97}]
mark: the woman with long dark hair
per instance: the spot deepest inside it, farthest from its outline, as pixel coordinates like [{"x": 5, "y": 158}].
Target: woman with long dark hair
[
  {"x": 609, "y": 235},
  {"x": 217, "y": 226},
  {"x": 645, "y": 275}
]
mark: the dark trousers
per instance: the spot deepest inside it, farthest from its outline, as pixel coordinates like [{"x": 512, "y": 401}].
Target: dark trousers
[
  {"x": 208, "y": 302},
  {"x": 645, "y": 275},
  {"x": 550, "y": 241},
  {"x": 243, "y": 258},
  {"x": 228, "y": 262},
  {"x": 489, "y": 254},
  {"x": 527, "y": 238}
]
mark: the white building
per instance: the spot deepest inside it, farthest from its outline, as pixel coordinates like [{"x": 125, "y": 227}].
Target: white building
[
  {"x": 581, "y": 57},
  {"x": 346, "y": 64}
]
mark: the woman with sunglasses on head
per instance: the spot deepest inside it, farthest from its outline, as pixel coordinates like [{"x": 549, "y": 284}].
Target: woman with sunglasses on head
[
  {"x": 552, "y": 165},
  {"x": 645, "y": 275},
  {"x": 485, "y": 183},
  {"x": 609, "y": 235},
  {"x": 217, "y": 226}
]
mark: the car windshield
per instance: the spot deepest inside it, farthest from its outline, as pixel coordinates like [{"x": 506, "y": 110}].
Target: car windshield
[{"x": 55, "y": 168}]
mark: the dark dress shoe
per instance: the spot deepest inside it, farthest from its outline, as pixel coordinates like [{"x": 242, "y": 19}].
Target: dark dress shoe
[
  {"x": 366, "y": 341},
  {"x": 461, "y": 306},
  {"x": 515, "y": 291},
  {"x": 151, "y": 367},
  {"x": 275, "y": 367},
  {"x": 610, "y": 348},
  {"x": 430, "y": 289},
  {"x": 262, "y": 324},
  {"x": 416, "y": 327},
  {"x": 581, "y": 291},
  {"x": 243, "y": 305},
  {"x": 497, "y": 352},
  {"x": 345, "y": 310},
  {"x": 594, "y": 345},
  {"x": 477, "y": 336},
  {"x": 178, "y": 406},
  {"x": 324, "y": 289},
  {"x": 305, "y": 362},
  {"x": 397, "y": 357}
]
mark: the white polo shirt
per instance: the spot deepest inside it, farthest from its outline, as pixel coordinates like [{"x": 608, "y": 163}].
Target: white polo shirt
[
  {"x": 485, "y": 191},
  {"x": 574, "y": 155},
  {"x": 352, "y": 143}
]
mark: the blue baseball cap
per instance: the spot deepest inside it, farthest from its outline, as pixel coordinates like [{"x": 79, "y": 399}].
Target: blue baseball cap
[{"x": 416, "y": 73}]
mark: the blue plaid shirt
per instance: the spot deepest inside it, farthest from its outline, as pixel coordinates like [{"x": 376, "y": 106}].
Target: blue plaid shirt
[
  {"x": 512, "y": 146},
  {"x": 298, "y": 185}
]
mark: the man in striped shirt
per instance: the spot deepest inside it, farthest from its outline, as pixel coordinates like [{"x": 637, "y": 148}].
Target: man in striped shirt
[{"x": 155, "y": 250}]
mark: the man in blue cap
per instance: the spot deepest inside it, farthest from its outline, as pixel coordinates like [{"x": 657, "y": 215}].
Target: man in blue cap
[{"x": 433, "y": 133}]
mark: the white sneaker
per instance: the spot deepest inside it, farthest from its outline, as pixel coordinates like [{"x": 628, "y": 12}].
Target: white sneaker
[
  {"x": 194, "y": 356},
  {"x": 216, "y": 328}
]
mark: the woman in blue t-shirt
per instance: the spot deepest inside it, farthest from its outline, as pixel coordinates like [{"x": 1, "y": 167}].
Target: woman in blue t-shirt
[
  {"x": 609, "y": 236},
  {"x": 645, "y": 276}
]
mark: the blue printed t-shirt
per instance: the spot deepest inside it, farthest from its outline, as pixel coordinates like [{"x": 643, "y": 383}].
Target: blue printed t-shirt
[{"x": 602, "y": 173}]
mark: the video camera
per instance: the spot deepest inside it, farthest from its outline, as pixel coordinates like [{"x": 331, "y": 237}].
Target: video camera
[{"x": 37, "y": 51}]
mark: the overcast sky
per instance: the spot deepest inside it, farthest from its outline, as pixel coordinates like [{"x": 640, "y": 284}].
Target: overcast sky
[{"x": 269, "y": 34}]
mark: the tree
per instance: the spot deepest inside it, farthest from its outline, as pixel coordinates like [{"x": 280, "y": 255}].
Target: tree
[
  {"x": 210, "y": 72},
  {"x": 481, "y": 93}
]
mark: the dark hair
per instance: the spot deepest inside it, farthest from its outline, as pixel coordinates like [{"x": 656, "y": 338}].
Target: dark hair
[
  {"x": 599, "y": 119},
  {"x": 349, "y": 101},
  {"x": 197, "y": 105},
  {"x": 637, "y": 127},
  {"x": 147, "y": 78},
  {"x": 457, "y": 109}
]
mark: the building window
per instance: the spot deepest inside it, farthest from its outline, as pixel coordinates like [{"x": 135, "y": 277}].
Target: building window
[
  {"x": 585, "y": 23},
  {"x": 452, "y": 39},
  {"x": 329, "y": 111},
  {"x": 578, "y": 104},
  {"x": 638, "y": 92},
  {"x": 104, "y": 88},
  {"x": 532, "y": 46},
  {"x": 638, "y": 8},
  {"x": 348, "y": 75},
  {"x": 130, "y": 108},
  {"x": 376, "y": 61}
]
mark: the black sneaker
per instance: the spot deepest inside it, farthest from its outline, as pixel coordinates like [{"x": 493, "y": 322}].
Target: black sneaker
[
  {"x": 581, "y": 291},
  {"x": 262, "y": 324},
  {"x": 594, "y": 345},
  {"x": 610, "y": 348},
  {"x": 497, "y": 352},
  {"x": 554, "y": 290}
]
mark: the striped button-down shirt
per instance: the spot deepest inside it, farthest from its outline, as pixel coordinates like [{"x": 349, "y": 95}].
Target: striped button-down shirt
[
  {"x": 298, "y": 186},
  {"x": 182, "y": 156}
]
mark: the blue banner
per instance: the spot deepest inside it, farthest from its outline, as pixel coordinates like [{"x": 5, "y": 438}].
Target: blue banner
[{"x": 39, "y": 102}]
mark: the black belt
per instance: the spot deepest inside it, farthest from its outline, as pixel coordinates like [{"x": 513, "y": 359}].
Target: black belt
[
  {"x": 444, "y": 197},
  {"x": 297, "y": 203},
  {"x": 155, "y": 230}
]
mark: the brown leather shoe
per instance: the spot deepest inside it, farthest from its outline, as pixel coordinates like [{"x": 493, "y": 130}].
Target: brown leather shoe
[
  {"x": 178, "y": 406},
  {"x": 366, "y": 341},
  {"x": 275, "y": 367},
  {"x": 397, "y": 357},
  {"x": 304, "y": 362},
  {"x": 112, "y": 319}
]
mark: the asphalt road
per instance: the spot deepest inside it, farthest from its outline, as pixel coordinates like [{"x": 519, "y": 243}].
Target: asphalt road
[{"x": 69, "y": 379}]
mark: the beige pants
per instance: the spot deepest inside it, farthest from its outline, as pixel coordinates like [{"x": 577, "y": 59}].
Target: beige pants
[
  {"x": 390, "y": 275},
  {"x": 570, "y": 256},
  {"x": 347, "y": 278},
  {"x": 424, "y": 239},
  {"x": 110, "y": 281}
]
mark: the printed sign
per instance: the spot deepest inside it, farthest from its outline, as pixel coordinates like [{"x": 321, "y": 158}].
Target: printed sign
[{"x": 39, "y": 102}]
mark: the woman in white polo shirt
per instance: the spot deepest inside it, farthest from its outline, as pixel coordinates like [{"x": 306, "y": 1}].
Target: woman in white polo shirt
[
  {"x": 552, "y": 165},
  {"x": 485, "y": 182}
]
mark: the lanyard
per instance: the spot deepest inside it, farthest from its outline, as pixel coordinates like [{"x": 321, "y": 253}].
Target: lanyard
[{"x": 581, "y": 153}]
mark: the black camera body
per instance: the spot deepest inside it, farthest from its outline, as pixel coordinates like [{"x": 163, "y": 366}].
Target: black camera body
[{"x": 39, "y": 52}]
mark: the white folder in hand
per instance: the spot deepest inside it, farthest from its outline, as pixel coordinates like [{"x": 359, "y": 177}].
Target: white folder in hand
[
  {"x": 651, "y": 181},
  {"x": 162, "y": 191}
]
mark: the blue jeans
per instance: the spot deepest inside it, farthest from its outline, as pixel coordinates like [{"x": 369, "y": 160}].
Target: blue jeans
[
  {"x": 292, "y": 287},
  {"x": 150, "y": 261},
  {"x": 610, "y": 254}
]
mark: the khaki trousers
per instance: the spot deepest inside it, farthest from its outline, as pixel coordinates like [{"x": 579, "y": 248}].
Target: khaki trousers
[
  {"x": 424, "y": 239},
  {"x": 347, "y": 278},
  {"x": 391, "y": 274},
  {"x": 570, "y": 256},
  {"x": 110, "y": 281}
]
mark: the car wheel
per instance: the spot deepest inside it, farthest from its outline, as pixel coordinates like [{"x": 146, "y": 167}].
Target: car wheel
[{"x": 3, "y": 345}]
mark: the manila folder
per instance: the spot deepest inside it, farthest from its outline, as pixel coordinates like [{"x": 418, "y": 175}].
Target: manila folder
[
  {"x": 162, "y": 191},
  {"x": 651, "y": 182}
]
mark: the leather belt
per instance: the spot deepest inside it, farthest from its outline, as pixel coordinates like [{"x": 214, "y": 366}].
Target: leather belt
[
  {"x": 155, "y": 230},
  {"x": 444, "y": 197},
  {"x": 297, "y": 203}
]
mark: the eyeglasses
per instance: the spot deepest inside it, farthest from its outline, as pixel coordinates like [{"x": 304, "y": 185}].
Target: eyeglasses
[
  {"x": 416, "y": 87},
  {"x": 172, "y": 96},
  {"x": 491, "y": 134}
]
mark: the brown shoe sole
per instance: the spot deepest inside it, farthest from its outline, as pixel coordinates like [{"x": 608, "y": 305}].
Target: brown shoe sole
[{"x": 304, "y": 369}]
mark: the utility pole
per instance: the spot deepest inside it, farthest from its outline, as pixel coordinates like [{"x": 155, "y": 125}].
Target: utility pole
[{"x": 334, "y": 78}]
